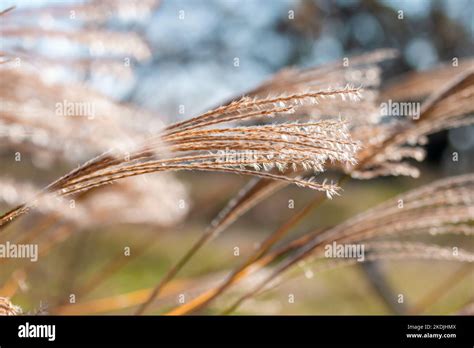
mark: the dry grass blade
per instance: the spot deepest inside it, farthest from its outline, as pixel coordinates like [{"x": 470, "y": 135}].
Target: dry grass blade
[
  {"x": 448, "y": 108},
  {"x": 417, "y": 85},
  {"x": 360, "y": 70},
  {"x": 255, "y": 191},
  {"x": 357, "y": 70},
  {"x": 255, "y": 260},
  {"x": 441, "y": 289},
  {"x": 452, "y": 204},
  {"x": 5, "y": 11},
  {"x": 378, "y": 251},
  {"x": 137, "y": 297},
  {"x": 279, "y": 146}
]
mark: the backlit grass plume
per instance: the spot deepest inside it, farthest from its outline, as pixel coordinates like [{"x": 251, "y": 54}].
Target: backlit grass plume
[{"x": 198, "y": 144}]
